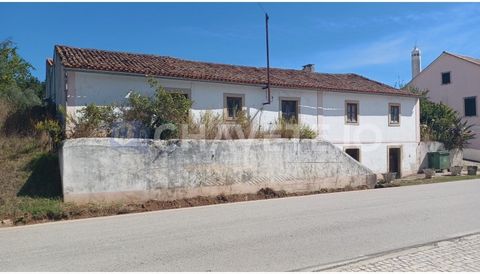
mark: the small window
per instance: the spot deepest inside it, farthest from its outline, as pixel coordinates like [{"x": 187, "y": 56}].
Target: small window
[
  {"x": 354, "y": 153},
  {"x": 470, "y": 106},
  {"x": 394, "y": 115},
  {"x": 233, "y": 105},
  {"x": 445, "y": 78},
  {"x": 186, "y": 95},
  {"x": 290, "y": 110},
  {"x": 179, "y": 91},
  {"x": 351, "y": 113}
]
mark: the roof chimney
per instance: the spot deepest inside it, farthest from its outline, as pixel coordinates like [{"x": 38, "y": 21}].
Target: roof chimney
[
  {"x": 416, "y": 61},
  {"x": 309, "y": 67}
]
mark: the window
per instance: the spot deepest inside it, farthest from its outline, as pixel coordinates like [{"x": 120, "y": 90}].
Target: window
[
  {"x": 354, "y": 153},
  {"x": 470, "y": 104},
  {"x": 186, "y": 95},
  {"x": 180, "y": 91},
  {"x": 289, "y": 109},
  {"x": 351, "y": 112},
  {"x": 233, "y": 104},
  {"x": 445, "y": 78},
  {"x": 394, "y": 115}
]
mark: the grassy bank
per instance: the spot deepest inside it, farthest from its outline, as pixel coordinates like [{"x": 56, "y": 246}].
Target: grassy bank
[
  {"x": 30, "y": 182},
  {"x": 437, "y": 179}
]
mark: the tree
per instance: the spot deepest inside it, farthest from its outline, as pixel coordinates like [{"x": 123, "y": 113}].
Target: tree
[
  {"x": 162, "y": 109},
  {"x": 17, "y": 85},
  {"x": 441, "y": 123}
]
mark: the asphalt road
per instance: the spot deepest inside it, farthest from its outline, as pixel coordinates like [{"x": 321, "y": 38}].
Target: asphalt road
[{"x": 299, "y": 233}]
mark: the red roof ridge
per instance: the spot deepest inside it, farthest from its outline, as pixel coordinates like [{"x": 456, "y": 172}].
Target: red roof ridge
[{"x": 157, "y": 65}]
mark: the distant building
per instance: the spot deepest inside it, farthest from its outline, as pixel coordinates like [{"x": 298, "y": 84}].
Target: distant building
[
  {"x": 455, "y": 81},
  {"x": 376, "y": 124}
]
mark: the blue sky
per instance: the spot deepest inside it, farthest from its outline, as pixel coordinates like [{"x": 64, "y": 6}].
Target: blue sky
[{"x": 371, "y": 39}]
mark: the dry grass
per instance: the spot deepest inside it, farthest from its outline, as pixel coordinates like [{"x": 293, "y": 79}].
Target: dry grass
[
  {"x": 29, "y": 174},
  {"x": 438, "y": 179},
  {"x": 212, "y": 126}
]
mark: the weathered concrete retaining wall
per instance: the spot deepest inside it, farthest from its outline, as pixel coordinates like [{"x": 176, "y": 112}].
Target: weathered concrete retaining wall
[
  {"x": 139, "y": 169},
  {"x": 456, "y": 155}
]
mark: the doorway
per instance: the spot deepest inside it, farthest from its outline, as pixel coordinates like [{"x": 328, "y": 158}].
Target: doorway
[{"x": 394, "y": 160}]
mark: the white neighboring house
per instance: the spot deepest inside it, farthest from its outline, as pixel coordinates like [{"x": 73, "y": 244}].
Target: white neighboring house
[
  {"x": 455, "y": 81},
  {"x": 374, "y": 123}
]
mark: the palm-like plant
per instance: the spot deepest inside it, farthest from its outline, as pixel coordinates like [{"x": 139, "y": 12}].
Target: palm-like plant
[
  {"x": 459, "y": 135},
  {"x": 441, "y": 123}
]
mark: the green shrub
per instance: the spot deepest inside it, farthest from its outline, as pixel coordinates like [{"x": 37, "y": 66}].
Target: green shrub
[
  {"x": 92, "y": 121},
  {"x": 5, "y": 110},
  {"x": 285, "y": 128},
  {"x": 307, "y": 133},
  {"x": 21, "y": 121},
  {"x": 290, "y": 129},
  {"x": 53, "y": 130},
  {"x": 162, "y": 109}
]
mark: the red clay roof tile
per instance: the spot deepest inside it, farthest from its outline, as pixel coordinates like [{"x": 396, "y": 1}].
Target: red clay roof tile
[{"x": 153, "y": 65}]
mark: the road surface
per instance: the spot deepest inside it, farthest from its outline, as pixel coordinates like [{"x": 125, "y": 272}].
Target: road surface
[{"x": 298, "y": 233}]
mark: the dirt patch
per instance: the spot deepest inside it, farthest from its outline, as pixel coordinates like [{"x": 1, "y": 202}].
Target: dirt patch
[{"x": 69, "y": 211}]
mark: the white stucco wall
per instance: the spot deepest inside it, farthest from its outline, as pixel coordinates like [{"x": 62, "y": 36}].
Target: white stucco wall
[
  {"x": 373, "y": 135},
  {"x": 107, "y": 88},
  {"x": 323, "y": 111},
  {"x": 373, "y": 124},
  {"x": 465, "y": 82}
]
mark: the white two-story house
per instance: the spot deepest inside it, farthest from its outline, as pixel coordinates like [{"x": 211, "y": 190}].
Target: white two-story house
[{"x": 374, "y": 123}]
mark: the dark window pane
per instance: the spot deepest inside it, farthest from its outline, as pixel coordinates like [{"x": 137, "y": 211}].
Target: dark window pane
[
  {"x": 234, "y": 105},
  {"x": 354, "y": 153},
  {"x": 470, "y": 106},
  {"x": 289, "y": 110},
  {"x": 445, "y": 78},
  {"x": 394, "y": 114},
  {"x": 352, "y": 112}
]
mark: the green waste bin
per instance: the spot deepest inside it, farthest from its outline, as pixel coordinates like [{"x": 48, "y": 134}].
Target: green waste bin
[{"x": 439, "y": 160}]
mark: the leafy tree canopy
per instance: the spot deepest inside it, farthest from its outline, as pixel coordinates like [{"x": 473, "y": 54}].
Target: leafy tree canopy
[
  {"x": 17, "y": 85},
  {"x": 163, "y": 108}
]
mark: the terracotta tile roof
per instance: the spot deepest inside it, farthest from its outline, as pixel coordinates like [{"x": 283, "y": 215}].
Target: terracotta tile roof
[{"x": 153, "y": 65}]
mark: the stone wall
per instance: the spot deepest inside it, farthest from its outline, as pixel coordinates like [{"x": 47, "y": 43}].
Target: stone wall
[
  {"x": 456, "y": 155},
  {"x": 140, "y": 169}
]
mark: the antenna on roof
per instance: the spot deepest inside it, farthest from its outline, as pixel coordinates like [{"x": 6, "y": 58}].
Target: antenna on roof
[{"x": 268, "y": 62}]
